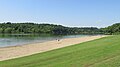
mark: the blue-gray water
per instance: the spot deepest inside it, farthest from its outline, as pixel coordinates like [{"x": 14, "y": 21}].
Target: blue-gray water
[{"x": 18, "y": 39}]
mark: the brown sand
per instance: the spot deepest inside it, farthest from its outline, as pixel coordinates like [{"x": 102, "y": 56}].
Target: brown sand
[{"x": 25, "y": 50}]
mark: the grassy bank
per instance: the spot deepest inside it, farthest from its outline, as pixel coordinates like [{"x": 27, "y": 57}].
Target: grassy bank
[{"x": 104, "y": 52}]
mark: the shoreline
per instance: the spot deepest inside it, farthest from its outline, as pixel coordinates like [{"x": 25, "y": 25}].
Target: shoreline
[
  {"x": 12, "y": 52},
  {"x": 45, "y": 41},
  {"x": 24, "y": 44},
  {"x": 40, "y": 42}
]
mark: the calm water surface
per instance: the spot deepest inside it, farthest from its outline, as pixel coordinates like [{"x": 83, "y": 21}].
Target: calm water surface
[{"x": 20, "y": 39}]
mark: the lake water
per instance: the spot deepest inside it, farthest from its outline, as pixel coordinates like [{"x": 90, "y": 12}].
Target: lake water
[{"x": 20, "y": 39}]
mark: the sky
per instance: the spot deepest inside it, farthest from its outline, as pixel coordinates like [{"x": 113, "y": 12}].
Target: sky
[{"x": 73, "y": 13}]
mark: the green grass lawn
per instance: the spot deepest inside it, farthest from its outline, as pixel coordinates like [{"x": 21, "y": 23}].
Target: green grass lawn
[{"x": 104, "y": 52}]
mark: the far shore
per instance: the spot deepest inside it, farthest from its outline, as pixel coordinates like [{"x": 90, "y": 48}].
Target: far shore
[{"x": 29, "y": 49}]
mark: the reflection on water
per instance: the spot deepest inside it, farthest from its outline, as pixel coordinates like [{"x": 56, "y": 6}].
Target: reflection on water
[{"x": 20, "y": 39}]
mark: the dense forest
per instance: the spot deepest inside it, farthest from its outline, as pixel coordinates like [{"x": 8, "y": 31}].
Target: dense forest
[
  {"x": 23, "y": 28},
  {"x": 29, "y": 28},
  {"x": 113, "y": 29}
]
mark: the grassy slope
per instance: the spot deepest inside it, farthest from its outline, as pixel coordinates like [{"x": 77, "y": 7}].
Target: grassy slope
[{"x": 104, "y": 52}]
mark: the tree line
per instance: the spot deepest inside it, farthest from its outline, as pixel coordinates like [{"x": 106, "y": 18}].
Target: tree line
[
  {"x": 23, "y": 28},
  {"x": 113, "y": 29}
]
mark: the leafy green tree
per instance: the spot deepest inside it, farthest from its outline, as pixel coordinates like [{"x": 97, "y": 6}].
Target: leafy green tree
[{"x": 8, "y": 30}]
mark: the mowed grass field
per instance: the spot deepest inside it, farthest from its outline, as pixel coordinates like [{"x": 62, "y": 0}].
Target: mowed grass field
[{"x": 104, "y": 52}]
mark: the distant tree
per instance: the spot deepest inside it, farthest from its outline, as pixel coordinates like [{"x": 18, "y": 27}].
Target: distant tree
[
  {"x": 8, "y": 23},
  {"x": 1, "y": 30},
  {"x": 8, "y": 30}
]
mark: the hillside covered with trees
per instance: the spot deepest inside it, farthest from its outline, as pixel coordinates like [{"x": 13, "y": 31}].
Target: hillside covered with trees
[
  {"x": 23, "y": 28},
  {"x": 113, "y": 29}
]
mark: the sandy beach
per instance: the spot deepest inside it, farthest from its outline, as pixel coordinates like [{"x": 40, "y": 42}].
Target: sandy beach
[{"x": 25, "y": 50}]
